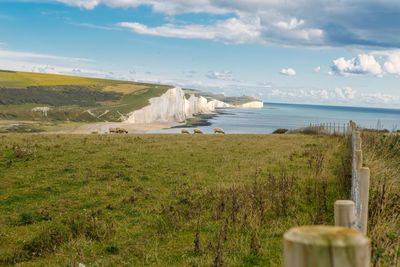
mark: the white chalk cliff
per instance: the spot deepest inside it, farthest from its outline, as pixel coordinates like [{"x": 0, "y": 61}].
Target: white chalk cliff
[
  {"x": 252, "y": 104},
  {"x": 173, "y": 106}
]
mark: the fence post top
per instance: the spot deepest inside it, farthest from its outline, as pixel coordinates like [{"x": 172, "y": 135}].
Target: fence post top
[
  {"x": 326, "y": 236},
  {"x": 344, "y": 202},
  {"x": 365, "y": 170}
]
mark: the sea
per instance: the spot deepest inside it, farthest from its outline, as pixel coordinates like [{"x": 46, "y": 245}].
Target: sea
[{"x": 292, "y": 116}]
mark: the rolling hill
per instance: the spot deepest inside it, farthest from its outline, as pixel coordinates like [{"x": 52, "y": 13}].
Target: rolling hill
[{"x": 48, "y": 97}]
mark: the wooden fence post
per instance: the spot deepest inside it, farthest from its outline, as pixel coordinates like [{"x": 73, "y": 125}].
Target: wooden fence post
[
  {"x": 358, "y": 160},
  {"x": 325, "y": 246},
  {"x": 344, "y": 213},
  {"x": 358, "y": 141},
  {"x": 364, "y": 180}
]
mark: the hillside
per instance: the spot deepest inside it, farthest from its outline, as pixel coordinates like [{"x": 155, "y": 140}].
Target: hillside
[{"x": 69, "y": 98}]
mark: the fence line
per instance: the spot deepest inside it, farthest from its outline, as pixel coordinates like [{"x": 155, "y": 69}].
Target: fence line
[
  {"x": 332, "y": 128},
  {"x": 345, "y": 244},
  {"x": 359, "y": 181}
]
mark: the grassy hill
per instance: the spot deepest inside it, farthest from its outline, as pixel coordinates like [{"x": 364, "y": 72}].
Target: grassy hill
[
  {"x": 70, "y": 98},
  {"x": 162, "y": 200}
]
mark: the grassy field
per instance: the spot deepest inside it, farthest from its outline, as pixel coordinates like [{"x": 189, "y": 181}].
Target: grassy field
[
  {"x": 164, "y": 200},
  {"x": 71, "y": 98},
  {"x": 13, "y": 79}
]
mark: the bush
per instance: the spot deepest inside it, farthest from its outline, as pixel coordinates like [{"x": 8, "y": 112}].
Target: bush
[
  {"x": 280, "y": 131},
  {"x": 112, "y": 249},
  {"x": 26, "y": 218}
]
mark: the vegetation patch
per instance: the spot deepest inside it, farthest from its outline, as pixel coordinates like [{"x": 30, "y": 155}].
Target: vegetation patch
[
  {"x": 280, "y": 131},
  {"x": 382, "y": 156},
  {"x": 56, "y": 96}
]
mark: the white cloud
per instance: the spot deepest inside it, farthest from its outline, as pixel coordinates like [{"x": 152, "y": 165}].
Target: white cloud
[
  {"x": 288, "y": 72},
  {"x": 170, "y": 7},
  {"x": 20, "y": 55},
  {"x": 391, "y": 62},
  {"x": 346, "y": 93},
  {"x": 46, "y": 63},
  {"x": 291, "y": 24},
  {"x": 362, "y": 64},
  {"x": 232, "y": 30},
  {"x": 317, "y": 69},
  {"x": 375, "y": 63},
  {"x": 220, "y": 75},
  {"x": 243, "y": 29},
  {"x": 87, "y": 4}
]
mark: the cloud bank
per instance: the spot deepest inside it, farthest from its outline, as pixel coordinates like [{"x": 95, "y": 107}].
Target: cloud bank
[
  {"x": 335, "y": 96},
  {"x": 375, "y": 63},
  {"x": 367, "y": 23}
]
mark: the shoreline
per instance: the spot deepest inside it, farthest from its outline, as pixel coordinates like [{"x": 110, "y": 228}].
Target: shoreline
[{"x": 201, "y": 120}]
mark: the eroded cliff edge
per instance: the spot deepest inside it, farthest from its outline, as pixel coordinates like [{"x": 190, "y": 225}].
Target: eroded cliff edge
[{"x": 177, "y": 106}]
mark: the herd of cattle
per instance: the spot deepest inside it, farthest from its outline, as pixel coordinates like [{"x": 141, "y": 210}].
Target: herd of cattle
[{"x": 183, "y": 131}]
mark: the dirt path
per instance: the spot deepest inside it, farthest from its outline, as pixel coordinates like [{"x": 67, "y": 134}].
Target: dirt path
[{"x": 104, "y": 127}]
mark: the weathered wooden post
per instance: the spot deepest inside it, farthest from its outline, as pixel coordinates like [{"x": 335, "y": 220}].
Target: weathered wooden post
[
  {"x": 326, "y": 246},
  {"x": 358, "y": 160},
  {"x": 358, "y": 140},
  {"x": 345, "y": 213},
  {"x": 364, "y": 181}
]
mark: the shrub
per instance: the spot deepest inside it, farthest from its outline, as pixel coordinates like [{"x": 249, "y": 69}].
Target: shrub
[
  {"x": 280, "y": 131},
  {"x": 26, "y": 218},
  {"x": 112, "y": 249}
]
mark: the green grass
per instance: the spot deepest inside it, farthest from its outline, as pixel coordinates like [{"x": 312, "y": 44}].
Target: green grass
[
  {"x": 15, "y": 79},
  {"x": 381, "y": 154},
  {"x": 142, "y": 200}
]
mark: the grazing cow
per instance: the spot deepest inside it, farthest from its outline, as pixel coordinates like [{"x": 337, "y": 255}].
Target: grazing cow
[
  {"x": 184, "y": 131},
  {"x": 219, "y": 130},
  {"x": 197, "y": 131}
]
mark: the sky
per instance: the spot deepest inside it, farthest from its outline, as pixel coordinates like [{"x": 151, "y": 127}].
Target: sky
[{"x": 336, "y": 52}]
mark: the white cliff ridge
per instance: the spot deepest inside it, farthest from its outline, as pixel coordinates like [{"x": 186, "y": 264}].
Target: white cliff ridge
[
  {"x": 173, "y": 106},
  {"x": 252, "y": 104}
]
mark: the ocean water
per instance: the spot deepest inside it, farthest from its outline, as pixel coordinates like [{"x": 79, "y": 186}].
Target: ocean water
[{"x": 291, "y": 116}]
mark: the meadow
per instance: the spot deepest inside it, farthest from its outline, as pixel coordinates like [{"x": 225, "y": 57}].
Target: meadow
[{"x": 163, "y": 200}]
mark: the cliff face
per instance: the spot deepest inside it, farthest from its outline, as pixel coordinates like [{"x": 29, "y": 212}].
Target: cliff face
[
  {"x": 174, "y": 107},
  {"x": 252, "y": 104}
]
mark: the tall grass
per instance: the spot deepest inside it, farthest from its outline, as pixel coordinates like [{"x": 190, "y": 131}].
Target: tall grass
[{"x": 382, "y": 156}]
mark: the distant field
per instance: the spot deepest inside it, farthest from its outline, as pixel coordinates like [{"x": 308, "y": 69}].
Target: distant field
[
  {"x": 24, "y": 79},
  {"x": 164, "y": 200},
  {"x": 70, "y": 98}
]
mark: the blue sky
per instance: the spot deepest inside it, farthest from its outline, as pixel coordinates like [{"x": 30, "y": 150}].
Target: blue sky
[{"x": 303, "y": 51}]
